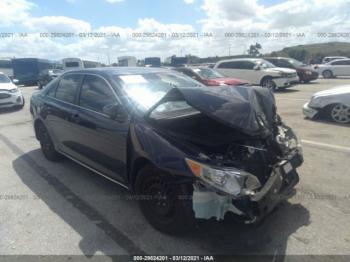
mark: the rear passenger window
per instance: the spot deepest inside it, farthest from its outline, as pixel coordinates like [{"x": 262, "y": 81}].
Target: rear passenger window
[
  {"x": 230, "y": 65},
  {"x": 95, "y": 94},
  {"x": 341, "y": 62},
  {"x": 67, "y": 88},
  {"x": 246, "y": 65},
  {"x": 51, "y": 88}
]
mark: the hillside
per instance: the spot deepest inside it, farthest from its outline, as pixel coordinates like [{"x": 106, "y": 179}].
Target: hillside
[{"x": 314, "y": 52}]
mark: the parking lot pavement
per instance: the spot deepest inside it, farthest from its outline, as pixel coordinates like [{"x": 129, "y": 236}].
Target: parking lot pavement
[{"x": 62, "y": 208}]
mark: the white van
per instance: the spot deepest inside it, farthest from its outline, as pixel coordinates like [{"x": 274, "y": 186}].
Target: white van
[
  {"x": 127, "y": 61},
  {"x": 77, "y": 63},
  {"x": 258, "y": 72}
]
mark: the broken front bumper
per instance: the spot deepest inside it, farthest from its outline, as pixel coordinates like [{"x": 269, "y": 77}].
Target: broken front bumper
[
  {"x": 208, "y": 204},
  {"x": 309, "y": 112}
]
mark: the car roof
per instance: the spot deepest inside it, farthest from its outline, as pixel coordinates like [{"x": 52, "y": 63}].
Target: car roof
[
  {"x": 278, "y": 57},
  {"x": 241, "y": 59},
  {"x": 340, "y": 59}
]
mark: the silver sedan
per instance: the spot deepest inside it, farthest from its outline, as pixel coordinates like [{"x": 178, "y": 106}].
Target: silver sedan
[{"x": 333, "y": 104}]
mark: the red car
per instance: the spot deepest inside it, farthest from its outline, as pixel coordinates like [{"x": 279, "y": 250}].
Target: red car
[{"x": 210, "y": 77}]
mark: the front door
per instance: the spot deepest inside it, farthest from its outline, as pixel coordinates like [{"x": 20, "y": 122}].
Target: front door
[{"x": 102, "y": 140}]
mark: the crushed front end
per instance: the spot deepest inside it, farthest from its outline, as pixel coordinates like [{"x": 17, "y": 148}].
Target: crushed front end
[
  {"x": 242, "y": 156},
  {"x": 249, "y": 179}
]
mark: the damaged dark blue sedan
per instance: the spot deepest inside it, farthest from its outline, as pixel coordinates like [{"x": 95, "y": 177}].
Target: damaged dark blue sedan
[{"x": 187, "y": 151}]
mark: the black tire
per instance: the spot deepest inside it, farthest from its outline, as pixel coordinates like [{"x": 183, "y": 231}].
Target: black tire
[
  {"x": 167, "y": 206},
  {"x": 338, "y": 113},
  {"x": 268, "y": 82},
  {"x": 47, "y": 146},
  {"x": 327, "y": 74}
]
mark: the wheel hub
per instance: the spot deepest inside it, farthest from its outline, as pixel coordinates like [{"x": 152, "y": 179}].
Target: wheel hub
[{"x": 341, "y": 113}]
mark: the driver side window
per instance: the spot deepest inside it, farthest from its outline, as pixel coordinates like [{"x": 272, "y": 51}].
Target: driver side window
[{"x": 95, "y": 94}]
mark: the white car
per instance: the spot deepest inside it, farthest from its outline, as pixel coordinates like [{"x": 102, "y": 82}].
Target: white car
[
  {"x": 10, "y": 95},
  {"x": 328, "y": 59},
  {"x": 332, "y": 103},
  {"x": 340, "y": 67},
  {"x": 258, "y": 72}
]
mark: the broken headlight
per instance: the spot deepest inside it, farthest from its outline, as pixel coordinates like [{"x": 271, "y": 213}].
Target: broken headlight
[{"x": 229, "y": 180}]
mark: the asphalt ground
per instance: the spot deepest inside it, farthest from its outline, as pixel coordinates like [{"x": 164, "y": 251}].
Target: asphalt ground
[{"x": 64, "y": 209}]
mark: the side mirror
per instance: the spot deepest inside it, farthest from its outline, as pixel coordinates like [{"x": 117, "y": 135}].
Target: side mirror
[
  {"x": 115, "y": 111},
  {"x": 256, "y": 68},
  {"x": 15, "y": 81}
]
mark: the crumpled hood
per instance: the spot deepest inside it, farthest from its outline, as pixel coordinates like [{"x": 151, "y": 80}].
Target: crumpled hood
[{"x": 250, "y": 110}]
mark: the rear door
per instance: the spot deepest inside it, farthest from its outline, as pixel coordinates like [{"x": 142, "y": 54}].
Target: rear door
[
  {"x": 341, "y": 67},
  {"x": 60, "y": 108},
  {"x": 232, "y": 69},
  {"x": 101, "y": 143}
]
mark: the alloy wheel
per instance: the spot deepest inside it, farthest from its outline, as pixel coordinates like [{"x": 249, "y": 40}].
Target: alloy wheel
[
  {"x": 341, "y": 113},
  {"x": 270, "y": 84}
]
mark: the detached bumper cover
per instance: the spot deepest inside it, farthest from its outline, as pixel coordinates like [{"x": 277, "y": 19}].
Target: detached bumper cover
[{"x": 252, "y": 208}]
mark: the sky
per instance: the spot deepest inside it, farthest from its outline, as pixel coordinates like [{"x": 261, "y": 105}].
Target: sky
[{"x": 199, "y": 27}]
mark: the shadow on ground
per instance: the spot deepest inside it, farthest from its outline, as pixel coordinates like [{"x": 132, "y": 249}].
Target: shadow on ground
[
  {"x": 226, "y": 237},
  {"x": 323, "y": 120},
  {"x": 9, "y": 110}
]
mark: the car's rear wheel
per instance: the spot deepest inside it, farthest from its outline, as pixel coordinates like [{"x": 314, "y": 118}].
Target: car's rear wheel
[
  {"x": 269, "y": 83},
  {"x": 47, "y": 146},
  {"x": 339, "y": 113},
  {"x": 327, "y": 74},
  {"x": 166, "y": 205}
]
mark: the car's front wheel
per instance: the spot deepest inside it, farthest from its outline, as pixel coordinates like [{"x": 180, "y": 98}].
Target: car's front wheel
[
  {"x": 269, "y": 83},
  {"x": 327, "y": 74},
  {"x": 46, "y": 144},
  {"x": 339, "y": 113},
  {"x": 167, "y": 205}
]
